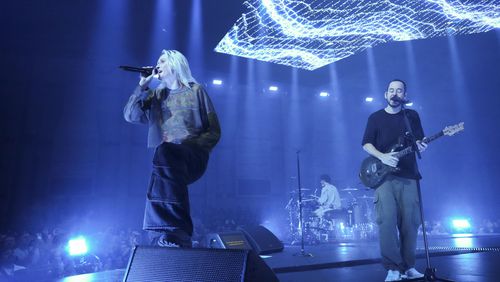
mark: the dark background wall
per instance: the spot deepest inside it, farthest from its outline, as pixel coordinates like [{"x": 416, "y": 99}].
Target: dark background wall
[{"x": 66, "y": 150}]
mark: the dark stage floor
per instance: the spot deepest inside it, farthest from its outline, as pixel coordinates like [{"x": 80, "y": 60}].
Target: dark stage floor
[{"x": 469, "y": 258}]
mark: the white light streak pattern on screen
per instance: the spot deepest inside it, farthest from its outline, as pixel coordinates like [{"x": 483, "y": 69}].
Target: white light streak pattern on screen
[{"x": 314, "y": 33}]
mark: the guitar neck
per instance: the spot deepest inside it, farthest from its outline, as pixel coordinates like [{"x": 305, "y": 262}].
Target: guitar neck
[{"x": 410, "y": 149}]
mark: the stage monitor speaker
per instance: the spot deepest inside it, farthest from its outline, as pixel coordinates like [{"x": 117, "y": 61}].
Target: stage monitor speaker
[
  {"x": 148, "y": 264},
  {"x": 262, "y": 240},
  {"x": 228, "y": 240}
]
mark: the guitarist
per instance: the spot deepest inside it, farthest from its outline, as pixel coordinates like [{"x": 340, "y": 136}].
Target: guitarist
[{"x": 396, "y": 199}]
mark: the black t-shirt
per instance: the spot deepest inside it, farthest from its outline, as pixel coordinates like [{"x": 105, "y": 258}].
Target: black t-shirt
[{"x": 384, "y": 130}]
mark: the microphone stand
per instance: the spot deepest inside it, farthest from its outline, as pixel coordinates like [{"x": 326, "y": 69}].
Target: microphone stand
[
  {"x": 301, "y": 226},
  {"x": 430, "y": 272}
]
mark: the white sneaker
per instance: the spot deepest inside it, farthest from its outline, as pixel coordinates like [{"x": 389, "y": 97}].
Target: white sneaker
[
  {"x": 412, "y": 273},
  {"x": 393, "y": 275}
]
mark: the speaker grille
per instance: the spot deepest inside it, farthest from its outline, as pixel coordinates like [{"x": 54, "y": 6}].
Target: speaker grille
[{"x": 150, "y": 264}]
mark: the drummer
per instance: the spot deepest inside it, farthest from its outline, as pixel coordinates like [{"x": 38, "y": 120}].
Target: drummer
[{"x": 329, "y": 199}]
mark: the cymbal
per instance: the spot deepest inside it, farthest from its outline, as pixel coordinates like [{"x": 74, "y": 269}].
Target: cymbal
[
  {"x": 350, "y": 189},
  {"x": 308, "y": 200},
  {"x": 297, "y": 191}
]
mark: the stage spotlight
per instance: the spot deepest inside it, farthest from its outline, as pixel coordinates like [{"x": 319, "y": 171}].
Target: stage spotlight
[
  {"x": 409, "y": 104},
  {"x": 369, "y": 99},
  {"x": 273, "y": 88},
  {"x": 460, "y": 223},
  {"x": 460, "y": 226},
  {"x": 217, "y": 82},
  {"x": 324, "y": 94},
  {"x": 77, "y": 246}
]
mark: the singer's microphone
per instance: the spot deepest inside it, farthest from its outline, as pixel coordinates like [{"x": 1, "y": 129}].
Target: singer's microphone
[
  {"x": 400, "y": 100},
  {"x": 144, "y": 70}
]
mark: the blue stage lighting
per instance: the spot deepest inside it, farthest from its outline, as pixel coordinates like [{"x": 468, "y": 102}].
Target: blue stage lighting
[
  {"x": 310, "y": 34},
  {"x": 463, "y": 240},
  {"x": 369, "y": 99},
  {"x": 273, "y": 88},
  {"x": 77, "y": 246},
  {"x": 460, "y": 223},
  {"x": 217, "y": 82},
  {"x": 460, "y": 226},
  {"x": 324, "y": 94}
]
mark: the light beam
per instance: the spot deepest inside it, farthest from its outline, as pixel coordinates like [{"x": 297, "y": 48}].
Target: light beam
[{"x": 310, "y": 34}]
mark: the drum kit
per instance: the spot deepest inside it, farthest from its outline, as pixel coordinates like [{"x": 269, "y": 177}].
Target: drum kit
[{"x": 354, "y": 221}]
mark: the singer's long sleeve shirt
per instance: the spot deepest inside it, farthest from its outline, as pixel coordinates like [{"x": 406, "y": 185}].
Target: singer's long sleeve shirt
[{"x": 182, "y": 116}]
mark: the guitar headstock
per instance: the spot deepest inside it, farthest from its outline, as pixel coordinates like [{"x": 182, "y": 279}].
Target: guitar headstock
[{"x": 453, "y": 129}]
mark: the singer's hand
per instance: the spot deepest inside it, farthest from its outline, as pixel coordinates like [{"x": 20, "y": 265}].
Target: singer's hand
[
  {"x": 145, "y": 80},
  {"x": 389, "y": 159}
]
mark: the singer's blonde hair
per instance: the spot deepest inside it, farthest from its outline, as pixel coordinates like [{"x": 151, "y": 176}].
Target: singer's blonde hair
[{"x": 179, "y": 65}]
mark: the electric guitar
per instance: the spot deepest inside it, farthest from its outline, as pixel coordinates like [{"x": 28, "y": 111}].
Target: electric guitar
[{"x": 373, "y": 172}]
